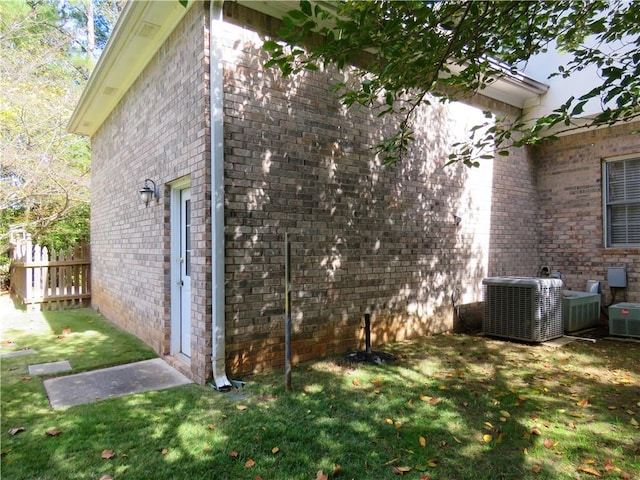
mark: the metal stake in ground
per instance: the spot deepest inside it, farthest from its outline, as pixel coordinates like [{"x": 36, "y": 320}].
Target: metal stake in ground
[
  {"x": 369, "y": 355},
  {"x": 367, "y": 333},
  {"x": 287, "y": 313}
]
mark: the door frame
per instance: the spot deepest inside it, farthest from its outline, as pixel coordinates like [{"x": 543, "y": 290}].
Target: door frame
[{"x": 175, "y": 226}]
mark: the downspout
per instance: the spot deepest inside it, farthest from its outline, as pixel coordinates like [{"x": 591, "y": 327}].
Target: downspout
[{"x": 216, "y": 96}]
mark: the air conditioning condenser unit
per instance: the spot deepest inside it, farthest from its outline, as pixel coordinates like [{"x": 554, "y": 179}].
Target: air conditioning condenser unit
[
  {"x": 523, "y": 308},
  {"x": 624, "y": 319}
]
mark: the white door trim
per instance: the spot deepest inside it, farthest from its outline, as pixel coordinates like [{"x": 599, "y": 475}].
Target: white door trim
[{"x": 175, "y": 225}]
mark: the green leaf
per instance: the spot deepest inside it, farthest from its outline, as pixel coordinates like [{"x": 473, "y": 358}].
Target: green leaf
[
  {"x": 298, "y": 15},
  {"x": 389, "y": 98},
  {"x": 579, "y": 108},
  {"x": 305, "y": 7},
  {"x": 270, "y": 46}
]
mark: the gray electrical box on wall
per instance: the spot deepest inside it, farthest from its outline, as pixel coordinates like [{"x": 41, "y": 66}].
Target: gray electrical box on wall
[{"x": 617, "y": 277}]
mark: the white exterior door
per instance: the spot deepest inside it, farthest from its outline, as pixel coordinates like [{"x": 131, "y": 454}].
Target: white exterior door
[{"x": 185, "y": 272}]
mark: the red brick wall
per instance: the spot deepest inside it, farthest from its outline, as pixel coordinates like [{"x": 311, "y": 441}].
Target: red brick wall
[
  {"x": 158, "y": 131},
  {"x": 569, "y": 177},
  {"x": 365, "y": 238}
]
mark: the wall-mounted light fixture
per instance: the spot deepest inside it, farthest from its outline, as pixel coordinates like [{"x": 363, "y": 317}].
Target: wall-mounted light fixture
[
  {"x": 147, "y": 193},
  {"x": 457, "y": 220}
]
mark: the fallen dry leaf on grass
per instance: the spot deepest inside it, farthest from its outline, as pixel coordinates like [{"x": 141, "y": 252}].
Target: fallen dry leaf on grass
[
  {"x": 589, "y": 470},
  {"x": 107, "y": 454},
  {"x": 106, "y": 477},
  {"x": 321, "y": 475},
  {"x": 401, "y": 470},
  {"x": 16, "y": 430},
  {"x": 54, "y": 432},
  {"x": 249, "y": 463}
]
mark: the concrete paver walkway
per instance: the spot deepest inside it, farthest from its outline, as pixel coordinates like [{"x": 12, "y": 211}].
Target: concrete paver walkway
[
  {"x": 18, "y": 353},
  {"x": 49, "y": 368},
  {"x": 117, "y": 381}
]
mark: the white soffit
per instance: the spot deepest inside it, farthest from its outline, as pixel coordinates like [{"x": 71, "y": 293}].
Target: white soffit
[
  {"x": 517, "y": 90},
  {"x": 143, "y": 26}
]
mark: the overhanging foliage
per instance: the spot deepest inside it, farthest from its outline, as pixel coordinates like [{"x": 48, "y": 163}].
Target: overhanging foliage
[{"x": 418, "y": 51}]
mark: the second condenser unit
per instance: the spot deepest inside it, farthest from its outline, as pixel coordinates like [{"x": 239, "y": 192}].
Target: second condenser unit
[{"x": 523, "y": 308}]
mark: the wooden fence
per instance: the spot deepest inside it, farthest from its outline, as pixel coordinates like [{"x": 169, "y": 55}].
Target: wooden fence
[{"x": 44, "y": 280}]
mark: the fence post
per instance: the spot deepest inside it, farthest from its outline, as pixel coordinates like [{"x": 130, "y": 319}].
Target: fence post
[{"x": 28, "y": 273}]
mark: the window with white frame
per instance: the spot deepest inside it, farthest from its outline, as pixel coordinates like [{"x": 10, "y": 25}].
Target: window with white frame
[{"x": 621, "y": 177}]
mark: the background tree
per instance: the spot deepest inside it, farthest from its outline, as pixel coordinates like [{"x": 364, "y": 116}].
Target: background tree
[
  {"x": 410, "y": 53},
  {"x": 47, "y": 50}
]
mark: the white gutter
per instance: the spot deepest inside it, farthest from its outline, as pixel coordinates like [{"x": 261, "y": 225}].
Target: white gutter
[{"x": 216, "y": 95}]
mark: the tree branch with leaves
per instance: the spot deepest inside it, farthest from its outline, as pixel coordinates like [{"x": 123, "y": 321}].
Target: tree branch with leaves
[
  {"x": 412, "y": 53},
  {"x": 44, "y": 63}
]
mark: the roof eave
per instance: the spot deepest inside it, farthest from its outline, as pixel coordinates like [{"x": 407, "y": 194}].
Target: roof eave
[{"x": 143, "y": 26}]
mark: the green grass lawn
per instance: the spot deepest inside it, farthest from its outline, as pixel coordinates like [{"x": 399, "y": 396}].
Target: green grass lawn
[{"x": 451, "y": 407}]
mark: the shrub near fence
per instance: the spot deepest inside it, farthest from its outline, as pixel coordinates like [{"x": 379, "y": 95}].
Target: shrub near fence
[{"x": 44, "y": 280}]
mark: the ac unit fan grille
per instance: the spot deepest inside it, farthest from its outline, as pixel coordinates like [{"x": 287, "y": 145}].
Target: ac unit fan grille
[{"x": 523, "y": 309}]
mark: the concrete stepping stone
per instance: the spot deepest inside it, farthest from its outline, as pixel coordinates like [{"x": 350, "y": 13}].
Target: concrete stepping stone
[
  {"x": 17, "y": 353},
  {"x": 111, "y": 382},
  {"x": 49, "y": 368}
]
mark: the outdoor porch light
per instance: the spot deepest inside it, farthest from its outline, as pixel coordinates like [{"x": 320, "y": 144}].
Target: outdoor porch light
[{"x": 147, "y": 193}]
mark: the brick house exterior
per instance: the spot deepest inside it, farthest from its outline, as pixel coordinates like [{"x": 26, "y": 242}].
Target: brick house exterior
[
  {"x": 569, "y": 178},
  {"x": 395, "y": 242}
]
